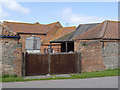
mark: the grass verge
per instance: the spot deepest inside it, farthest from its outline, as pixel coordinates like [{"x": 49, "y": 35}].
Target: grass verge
[{"x": 105, "y": 73}]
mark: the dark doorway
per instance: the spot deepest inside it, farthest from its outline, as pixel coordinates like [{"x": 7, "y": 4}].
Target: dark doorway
[
  {"x": 70, "y": 47},
  {"x": 67, "y": 47},
  {"x": 63, "y": 47}
]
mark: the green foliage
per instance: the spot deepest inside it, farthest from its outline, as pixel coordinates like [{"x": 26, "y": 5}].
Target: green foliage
[
  {"x": 105, "y": 73},
  {"x": 83, "y": 44},
  {"x": 15, "y": 75},
  {"x": 7, "y": 75},
  {"x": 53, "y": 76}
]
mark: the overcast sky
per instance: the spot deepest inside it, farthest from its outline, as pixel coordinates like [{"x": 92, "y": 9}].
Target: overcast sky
[{"x": 73, "y": 13}]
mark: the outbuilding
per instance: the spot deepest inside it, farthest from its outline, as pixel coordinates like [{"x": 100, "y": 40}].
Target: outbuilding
[
  {"x": 99, "y": 46},
  {"x": 67, "y": 41},
  {"x": 10, "y": 52}
]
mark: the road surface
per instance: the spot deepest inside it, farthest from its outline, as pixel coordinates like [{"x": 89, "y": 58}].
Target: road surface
[{"x": 104, "y": 82}]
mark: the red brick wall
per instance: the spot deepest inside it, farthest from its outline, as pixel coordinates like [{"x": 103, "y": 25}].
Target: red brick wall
[
  {"x": 44, "y": 38},
  {"x": 54, "y": 47},
  {"x": 24, "y": 36},
  {"x": 18, "y": 60},
  {"x": 91, "y": 59}
]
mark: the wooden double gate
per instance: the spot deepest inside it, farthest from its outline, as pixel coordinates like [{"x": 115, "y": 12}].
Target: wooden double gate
[{"x": 61, "y": 63}]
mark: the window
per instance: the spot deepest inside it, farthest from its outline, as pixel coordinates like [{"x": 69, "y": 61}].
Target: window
[
  {"x": 83, "y": 44},
  {"x": 32, "y": 43}
]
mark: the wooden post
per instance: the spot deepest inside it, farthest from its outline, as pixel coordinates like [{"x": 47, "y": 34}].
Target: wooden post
[
  {"x": 50, "y": 48},
  {"x": 24, "y": 64},
  {"x": 66, "y": 46},
  {"x": 78, "y": 62},
  {"x": 49, "y": 63},
  {"x": 57, "y": 48}
]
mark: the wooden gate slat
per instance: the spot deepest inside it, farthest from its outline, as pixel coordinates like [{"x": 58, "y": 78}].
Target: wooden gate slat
[{"x": 38, "y": 64}]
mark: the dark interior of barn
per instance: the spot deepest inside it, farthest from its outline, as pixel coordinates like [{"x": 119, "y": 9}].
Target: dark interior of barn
[{"x": 67, "y": 46}]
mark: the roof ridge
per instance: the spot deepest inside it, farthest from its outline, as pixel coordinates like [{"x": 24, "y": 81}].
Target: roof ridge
[
  {"x": 17, "y": 22},
  {"x": 113, "y": 21},
  {"x": 62, "y": 36},
  {"x": 30, "y": 23},
  {"x": 53, "y": 23},
  {"x": 70, "y": 27},
  {"x": 77, "y": 28},
  {"x": 24, "y": 23},
  {"x": 67, "y": 33},
  {"x": 59, "y": 30},
  {"x": 53, "y": 35},
  {"x": 103, "y": 29},
  {"x": 51, "y": 26},
  {"x": 88, "y": 24}
]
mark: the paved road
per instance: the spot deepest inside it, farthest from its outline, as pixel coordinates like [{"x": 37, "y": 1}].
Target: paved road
[{"x": 104, "y": 82}]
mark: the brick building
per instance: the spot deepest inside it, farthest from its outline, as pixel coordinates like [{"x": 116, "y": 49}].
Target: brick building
[
  {"x": 97, "y": 43},
  {"x": 67, "y": 41},
  {"x": 61, "y": 32},
  {"x": 10, "y": 52},
  {"x": 99, "y": 47},
  {"x": 45, "y": 33}
]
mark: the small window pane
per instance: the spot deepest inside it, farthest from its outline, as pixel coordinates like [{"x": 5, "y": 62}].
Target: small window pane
[
  {"x": 32, "y": 43},
  {"x": 29, "y": 44}
]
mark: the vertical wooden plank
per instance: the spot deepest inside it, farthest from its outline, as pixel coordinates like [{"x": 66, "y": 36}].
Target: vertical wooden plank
[
  {"x": 25, "y": 63},
  {"x": 66, "y": 46},
  {"x": 49, "y": 59},
  {"x": 76, "y": 63},
  {"x": 63, "y": 63},
  {"x": 39, "y": 64}
]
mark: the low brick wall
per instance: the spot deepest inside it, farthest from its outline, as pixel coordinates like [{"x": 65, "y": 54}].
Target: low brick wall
[
  {"x": 11, "y": 56},
  {"x": 91, "y": 59}
]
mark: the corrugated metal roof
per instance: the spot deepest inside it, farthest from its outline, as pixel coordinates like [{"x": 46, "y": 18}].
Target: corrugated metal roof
[{"x": 79, "y": 30}]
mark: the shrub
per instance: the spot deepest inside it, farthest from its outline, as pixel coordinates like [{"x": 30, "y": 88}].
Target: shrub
[
  {"x": 5, "y": 75},
  {"x": 15, "y": 75}
]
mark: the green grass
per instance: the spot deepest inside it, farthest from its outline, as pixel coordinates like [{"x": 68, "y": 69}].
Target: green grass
[{"x": 105, "y": 73}]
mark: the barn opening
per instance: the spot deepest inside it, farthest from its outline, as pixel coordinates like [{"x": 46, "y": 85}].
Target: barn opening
[{"x": 66, "y": 46}]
